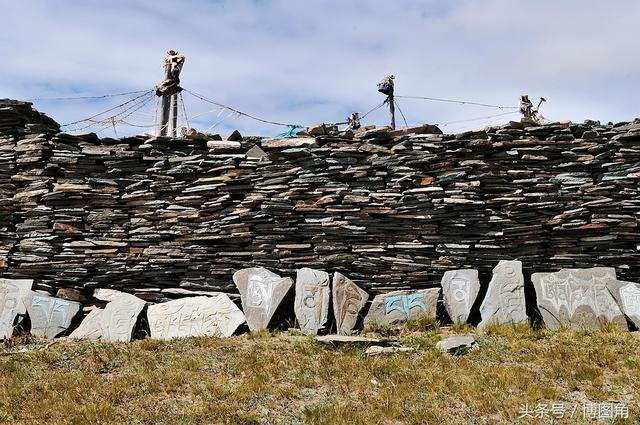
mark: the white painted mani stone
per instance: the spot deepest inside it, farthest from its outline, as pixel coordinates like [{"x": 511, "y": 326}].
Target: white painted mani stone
[
  {"x": 13, "y": 301},
  {"x": 505, "y": 302},
  {"x": 348, "y": 300},
  {"x": 120, "y": 316},
  {"x": 215, "y": 315},
  {"x": 578, "y": 298},
  {"x": 312, "y": 299},
  {"x": 460, "y": 289},
  {"x": 627, "y": 295},
  {"x": 261, "y": 292},
  {"x": 50, "y": 316},
  {"x": 399, "y": 306},
  {"x": 90, "y": 327}
]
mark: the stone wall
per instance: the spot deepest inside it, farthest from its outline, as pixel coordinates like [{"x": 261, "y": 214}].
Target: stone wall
[{"x": 386, "y": 209}]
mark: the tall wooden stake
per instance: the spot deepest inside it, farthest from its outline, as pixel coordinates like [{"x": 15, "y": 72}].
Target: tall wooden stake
[
  {"x": 164, "y": 114},
  {"x": 392, "y": 110},
  {"x": 174, "y": 115}
]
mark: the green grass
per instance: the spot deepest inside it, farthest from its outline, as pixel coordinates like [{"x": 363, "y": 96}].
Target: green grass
[{"x": 273, "y": 378}]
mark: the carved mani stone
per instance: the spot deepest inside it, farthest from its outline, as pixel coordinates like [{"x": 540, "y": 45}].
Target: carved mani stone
[
  {"x": 261, "y": 292},
  {"x": 505, "y": 302},
  {"x": 90, "y": 326},
  {"x": 460, "y": 289},
  {"x": 13, "y": 301},
  {"x": 578, "y": 298},
  {"x": 312, "y": 299},
  {"x": 213, "y": 315},
  {"x": 50, "y": 316},
  {"x": 400, "y": 306},
  {"x": 627, "y": 295},
  {"x": 348, "y": 301}
]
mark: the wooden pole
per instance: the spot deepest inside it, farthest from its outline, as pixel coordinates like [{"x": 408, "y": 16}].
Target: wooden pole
[
  {"x": 392, "y": 110},
  {"x": 174, "y": 115},
  {"x": 164, "y": 120}
]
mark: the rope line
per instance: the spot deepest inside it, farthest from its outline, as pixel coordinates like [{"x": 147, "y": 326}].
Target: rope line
[
  {"x": 476, "y": 119},
  {"x": 104, "y": 96},
  {"x": 461, "y": 102},
  {"x": 403, "y": 118},
  {"x": 146, "y": 93}
]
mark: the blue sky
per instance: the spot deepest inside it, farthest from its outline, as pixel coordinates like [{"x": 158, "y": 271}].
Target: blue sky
[{"x": 313, "y": 61}]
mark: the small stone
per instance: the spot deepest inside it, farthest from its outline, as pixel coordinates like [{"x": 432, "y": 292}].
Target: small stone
[
  {"x": 348, "y": 300},
  {"x": 460, "y": 289},
  {"x": 195, "y": 316},
  {"x": 399, "y": 306},
  {"x": 457, "y": 344},
  {"x": 312, "y": 299},
  {"x": 347, "y": 339},
  {"x": 261, "y": 292},
  {"x": 13, "y": 301},
  {"x": 505, "y": 302},
  {"x": 50, "y": 316},
  {"x": 376, "y": 350}
]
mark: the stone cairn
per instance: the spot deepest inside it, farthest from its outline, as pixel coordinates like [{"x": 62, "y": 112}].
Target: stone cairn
[{"x": 99, "y": 233}]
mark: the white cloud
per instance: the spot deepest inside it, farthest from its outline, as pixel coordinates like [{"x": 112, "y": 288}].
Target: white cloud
[{"x": 313, "y": 61}]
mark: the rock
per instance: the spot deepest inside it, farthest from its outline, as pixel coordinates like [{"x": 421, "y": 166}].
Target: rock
[
  {"x": 119, "y": 316},
  {"x": 90, "y": 327},
  {"x": 399, "y": 306},
  {"x": 235, "y": 136},
  {"x": 577, "y": 298},
  {"x": 72, "y": 294},
  {"x": 457, "y": 344},
  {"x": 627, "y": 295},
  {"x": 504, "y": 301},
  {"x": 50, "y": 316},
  {"x": 195, "y": 316},
  {"x": 289, "y": 142},
  {"x": 347, "y": 339},
  {"x": 459, "y": 290},
  {"x": 376, "y": 350},
  {"x": 312, "y": 299},
  {"x": 13, "y": 301},
  {"x": 348, "y": 300},
  {"x": 256, "y": 153},
  {"x": 261, "y": 292}
]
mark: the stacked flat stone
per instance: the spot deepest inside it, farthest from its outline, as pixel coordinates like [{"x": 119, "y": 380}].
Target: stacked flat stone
[{"x": 157, "y": 217}]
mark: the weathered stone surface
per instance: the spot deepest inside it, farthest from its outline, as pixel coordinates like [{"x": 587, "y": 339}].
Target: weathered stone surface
[
  {"x": 13, "y": 301},
  {"x": 261, "y": 292},
  {"x": 399, "y": 306},
  {"x": 312, "y": 299},
  {"x": 376, "y": 350},
  {"x": 348, "y": 300},
  {"x": 457, "y": 344},
  {"x": 50, "y": 316},
  {"x": 197, "y": 316},
  {"x": 119, "y": 317},
  {"x": 577, "y": 298},
  {"x": 504, "y": 301},
  {"x": 627, "y": 295},
  {"x": 459, "y": 290},
  {"x": 90, "y": 327},
  {"x": 347, "y": 339}
]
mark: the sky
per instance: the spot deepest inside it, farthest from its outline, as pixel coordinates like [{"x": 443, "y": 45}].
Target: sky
[{"x": 314, "y": 61}]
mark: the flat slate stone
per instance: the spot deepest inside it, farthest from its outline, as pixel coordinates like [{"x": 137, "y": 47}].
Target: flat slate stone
[
  {"x": 312, "y": 299},
  {"x": 90, "y": 327},
  {"x": 261, "y": 292},
  {"x": 50, "y": 316},
  {"x": 459, "y": 290},
  {"x": 120, "y": 316},
  {"x": 400, "y": 306},
  {"x": 578, "y": 298},
  {"x": 457, "y": 344},
  {"x": 627, "y": 295},
  {"x": 214, "y": 315},
  {"x": 13, "y": 301},
  {"x": 348, "y": 300},
  {"x": 505, "y": 302},
  {"x": 347, "y": 339}
]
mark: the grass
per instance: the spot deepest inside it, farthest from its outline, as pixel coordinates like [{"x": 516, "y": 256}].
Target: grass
[{"x": 281, "y": 378}]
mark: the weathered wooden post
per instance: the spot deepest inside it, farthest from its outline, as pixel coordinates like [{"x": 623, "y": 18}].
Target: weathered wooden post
[
  {"x": 386, "y": 86},
  {"x": 164, "y": 108},
  {"x": 174, "y": 115}
]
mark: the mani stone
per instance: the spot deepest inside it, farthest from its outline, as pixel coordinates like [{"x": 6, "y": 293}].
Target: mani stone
[
  {"x": 627, "y": 295},
  {"x": 312, "y": 299},
  {"x": 50, "y": 316},
  {"x": 504, "y": 302},
  {"x": 214, "y": 315},
  {"x": 348, "y": 300},
  {"x": 459, "y": 290},
  {"x": 261, "y": 292},
  {"x": 90, "y": 326},
  {"x": 13, "y": 300},
  {"x": 577, "y": 298},
  {"x": 400, "y": 306}
]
